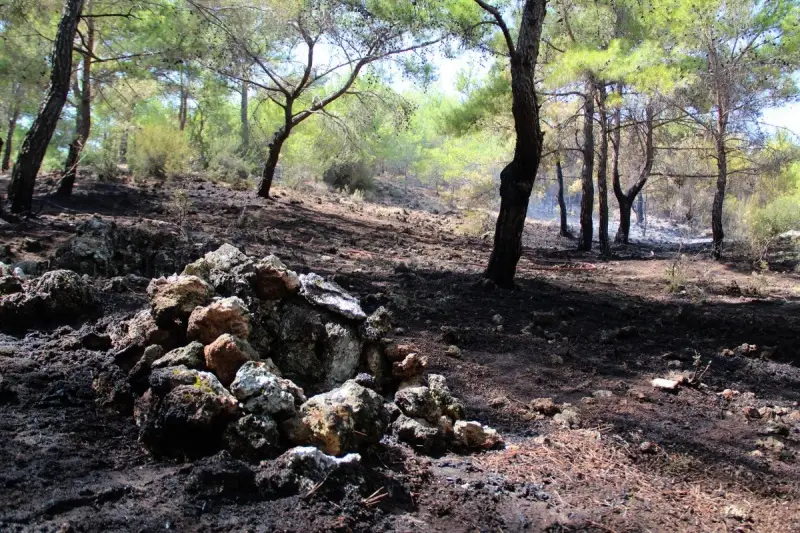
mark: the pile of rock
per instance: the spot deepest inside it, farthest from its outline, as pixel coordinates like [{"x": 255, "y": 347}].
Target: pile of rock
[{"x": 225, "y": 353}]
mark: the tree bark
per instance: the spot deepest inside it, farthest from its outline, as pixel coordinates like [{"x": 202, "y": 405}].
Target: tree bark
[
  {"x": 602, "y": 171},
  {"x": 183, "y": 112},
  {"x": 31, "y": 154},
  {"x": 84, "y": 121},
  {"x": 717, "y": 234},
  {"x": 626, "y": 199},
  {"x": 562, "y": 205},
  {"x": 12, "y": 126},
  {"x": 516, "y": 179},
  {"x": 245, "y": 116},
  {"x": 268, "y": 173},
  {"x": 587, "y": 171},
  {"x": 640, "y": 209}
]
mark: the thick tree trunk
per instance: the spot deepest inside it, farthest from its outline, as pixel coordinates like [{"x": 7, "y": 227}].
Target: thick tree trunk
[
  {"x": 602, "y": 171},
  {"x": 31, "y": 154},
  {"x": 84, "y": 120},
  {"x": 12, "y": 126},
  {"x": 627, "y": 199},
  {"x": 516, "y": 180},
  {"x": 640, "y": 209},
  {"x": 717, "y": 234},
  {"x": 245, "y": 116},
  {"x": 562, "y": 205},
  {"x": 587, "y": 171},
  {"x": 268, "y": 173}
]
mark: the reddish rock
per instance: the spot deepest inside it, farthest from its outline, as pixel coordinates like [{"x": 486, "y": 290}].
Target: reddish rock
[
  {"x": 226, "y": 355},
  {"x": 228, "y": 315}
]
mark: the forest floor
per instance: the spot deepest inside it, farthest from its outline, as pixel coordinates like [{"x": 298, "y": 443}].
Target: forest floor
[{"x": 592, "y": 333}]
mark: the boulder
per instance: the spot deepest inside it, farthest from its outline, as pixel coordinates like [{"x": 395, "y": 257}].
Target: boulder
[
  {"x": 253, "y": 437},
  {"x": 59, "y": 295},
  {"x": 378, "y": 366},
  {"x": 418, "y": 402},
  {"x": 226, "y": 315},
  {"x": 330, "y": 296},
  {"x": 261, "y": 391},
  {"x": 398, "y": 352},
  {"x": 226, "y": 355},
  {"x": 112, "y": 391},
  {"x": 273, "y": 280},
  {"x": 339, "y": 421},
  {"x": 303, "y": 468},
  {"x": 184, "y": 413},
  {"x": 226, "y": 258},
  {"x": 449, "y": 404},
  {"x": 190, "y": 356},
  {"x": 377, "y": 325},
  {"x": 173, "y": 299},
  {"x": 139, "y": 374},
  {"x": 132, "y": 336},
  {"x": 344, "y": 353},
  {"x": 222, "y": 477},
  {"x": 473, "y": 435},
  {"x": 411, "y": 366}
]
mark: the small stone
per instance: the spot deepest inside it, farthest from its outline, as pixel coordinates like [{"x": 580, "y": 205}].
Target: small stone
[
  {"x": 568, "y": 418},
  {"x": 648, "y": 447},
  {"x": 274, "y": 281},
  {"x": 330, "y": 296},
  {"x": 413, "y": 365},
  {"x": 173, "y": 299},
  {"x": 453, "y": 351},
  {"x": 736, "y": 512},
  {"x": 474, "y": 435},
  {"x": 751, "y": 412},
  {"x": 226, "y": 355},
  {"x": 190, "y": 356},
  {"x": 545, "y": 406},
  {"x": 497, "y": 319},
  {"x": 262, "y": 392},
  {"x": 253, "y": 437},
  {"x": 365, "y": 380},
  {"x": 398, "y": 352},
  {"x": 729, "y": 394},
  {"x": 498, "y": 402},
  {"x": 665, "y": 384},
  {"x": 602, "y": 394}
]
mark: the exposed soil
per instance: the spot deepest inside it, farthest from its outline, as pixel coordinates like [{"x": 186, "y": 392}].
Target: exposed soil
[{"x": 574, "y": 326}]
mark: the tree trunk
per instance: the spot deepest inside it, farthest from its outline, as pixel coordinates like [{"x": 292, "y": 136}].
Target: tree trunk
[
  {"x": 31, "y": 154},
  {"x": 717, "y": 233},
  {"x": 602, "y": 171},
  {"x": 184, "y": 103},
  {"x": 123, "y": 147},
  {"x": 267, "y": 175},
  {"x": 587, "y": 171},
  {"x": 12, "y": 126},
  {"x": 640, "y": 209},
  {"x": 562, "y": 205},
  {"x": 84, "y": 120},
  {"x": 627, "y": 199},
  {"x": 516, "y": 180},
  {"x": 245, "y": 115}
]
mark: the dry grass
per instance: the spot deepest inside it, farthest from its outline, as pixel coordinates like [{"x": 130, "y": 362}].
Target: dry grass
[{"x": 652, "y": 492}]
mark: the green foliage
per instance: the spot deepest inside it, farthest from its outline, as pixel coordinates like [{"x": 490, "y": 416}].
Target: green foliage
[{"x": 159, "y": 151}]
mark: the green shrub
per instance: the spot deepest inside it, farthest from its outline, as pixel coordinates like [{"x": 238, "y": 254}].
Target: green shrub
[
  {"x": 353, "y": 176},
  {"x": 159, "y": 151},
  {"x": 103, "y": 161}
]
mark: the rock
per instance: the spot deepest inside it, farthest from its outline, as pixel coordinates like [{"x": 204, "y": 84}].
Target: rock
[
  {"x": 253, "y": 437},
  {"x": 736, "y": 512},
  {"x": 173, "y": 299},
  {"x": 398, "y": 352},
  {"x": 649, "y": 447},
  {"x": 473, "y": 435},
  {"x": 366, "y": 380},
  {"x": 378, "y": 365},
  {"x": 377, "y": 325},
  {"x": 330, "y": 296},
  {"x": 418, "y": 402},
  {"x": 9, "y": 285},
  {"x": 751, "y": 412},
  {"x": 190, "y": 356},
  {"x": 423, "y": 436},
  {"x": 302, "y": 468},
  {"x": 792, "y": 417},
  {"x": 497, "y": 320},
  {"x": 222, "y": 478},
  {"x": 448, "y": 404},
  {"x": 134, "y": 335},
  {"x": 498, "y": 402},
  {"x": 227, "y": 315},
  {"x": 729, "y": 394},
  {"x": 665, "y": 384},
  {"x": 96, "y": 341},
  {"x": 602, "y": 394},
  {"x": 453, "y": 351},
  {"x": 340, "y": 421},
  {"x": 413, "y": 365},
  {"x": 184, "y": 413},
  {"x": 776, "y": 428},
  {"x": 261, "y": 391},
  {"x": 273, "y": 280},
  {"x": 139, "y": 374},
  {"x": 60, "y": 295},
  {"x": 545, "y": 406},
  {"x": 226, "y": 258},
  {"x": 344, "y": 353},
  {"x": 226, "y": 355},
  {"x": 112, "y": 391},
  {"x": 568, "y": 418}
]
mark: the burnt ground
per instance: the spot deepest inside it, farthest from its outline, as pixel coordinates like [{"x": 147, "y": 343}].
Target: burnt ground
[{"x": 67, "y": 466}]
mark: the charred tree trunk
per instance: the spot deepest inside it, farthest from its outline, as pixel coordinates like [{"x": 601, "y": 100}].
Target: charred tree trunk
[
  {"x": 602, "y": 171},
  {"x": 123, "y": 148},
  {"x": 626, "y": 199},
  {"x": 268, "y": 173},
  {"x": 516, "y": 180},
  {"x": 183, "y": 111},
  {"x": 84, "y": 120},
  {"x": 245, "y": 116},
  {"x": 640, "y": 209},
  {"x": 31, "y": 154},
  {"x": 562, "y": 205},
  {"x": 587, "y": 171},
  {"x": 717, "y": 234},
  {"x": 12, "y": 126}
]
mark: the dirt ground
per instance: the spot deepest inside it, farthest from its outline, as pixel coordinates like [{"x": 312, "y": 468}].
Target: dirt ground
[{"x": 592, "y": 333}]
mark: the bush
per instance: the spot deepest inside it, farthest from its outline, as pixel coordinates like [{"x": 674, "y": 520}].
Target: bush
[
  {"x": 227, "y": 164},
  {"x": 159, "y": 151},
  {"x": 103, "y": 161},
  {"x": 353, "y": 176}
]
